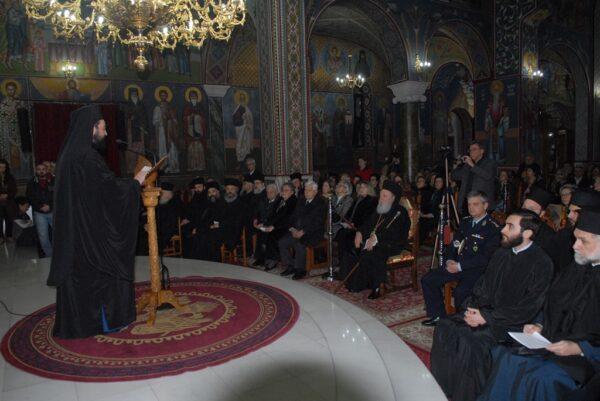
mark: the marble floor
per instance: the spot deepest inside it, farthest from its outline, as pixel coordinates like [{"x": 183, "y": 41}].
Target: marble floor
[{"x": 334, "y": 352}]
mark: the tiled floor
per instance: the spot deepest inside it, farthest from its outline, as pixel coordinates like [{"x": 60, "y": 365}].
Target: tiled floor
[{"x": 335, "y": 352}]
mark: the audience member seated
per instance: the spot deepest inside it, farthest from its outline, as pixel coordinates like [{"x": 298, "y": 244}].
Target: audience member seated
[
  {"x": 565, "y": 195},
  {"x": 374, "y": 181},
  {"x": 233, "y": 214},
  {"x": 596, "y": 185},
  {"x": 580, "y": 199},
  {"x": 477, "y": 238},
  {"x": 422, "y": 191},
  {"x": 251, "y": 170},
  {"x": 429, "y": 213},
  {"x": 579, "y": 178},
  {"x": 570, "y": 322},
  {"x": 508, "y": 295},
  {"x": 341, "y": 203},
  {"x": 193, "y": 215},
  {"x": 505, "y": 203},
  {"x": 206, "y": 235},
  {"x": 363, "y": 171},
  {"x": 384, "y": 234},
  {"x": 168, "y": 214},
  {"x": 537, "y": 201},
  {"x": 296, "y": 179},
  {"x": 307, "y": 228},
  {"x": 24, "y": 231},
  {"x": 40, "y": 194},
  {"x": 326, "y": 191}
]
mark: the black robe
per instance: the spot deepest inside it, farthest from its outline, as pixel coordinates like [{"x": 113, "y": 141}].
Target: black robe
[
  {"x": 564, "y": 249},
  {"x": 546, "y": 239},
  {"x": 95, "y": 227},
  {"x": 509, "y": 295}
]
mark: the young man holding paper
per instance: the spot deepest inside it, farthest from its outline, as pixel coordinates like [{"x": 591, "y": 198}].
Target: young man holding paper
[{"x": 570, "y": 321}]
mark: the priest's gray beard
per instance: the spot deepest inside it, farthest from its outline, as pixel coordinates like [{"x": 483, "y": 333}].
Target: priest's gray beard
[
  {"x": 583, "y": 260},
  {"x": 212, "y": 199},
  {"x": 383, "y": 208},
  {"x": 230, "y": 198}
]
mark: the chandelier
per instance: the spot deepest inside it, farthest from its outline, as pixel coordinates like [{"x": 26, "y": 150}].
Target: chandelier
[
  {"x": 421, "y": 64},
  {"x": 69, "y": 69},
  {"x": 141, "y": 24},
  {"x": 350, "y": 80}
]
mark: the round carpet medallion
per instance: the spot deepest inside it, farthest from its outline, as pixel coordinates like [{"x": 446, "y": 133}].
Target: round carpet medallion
[{"x": 227, "y": 319}]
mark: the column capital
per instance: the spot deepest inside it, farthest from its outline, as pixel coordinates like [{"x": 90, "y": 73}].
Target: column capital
[
  {"x": 409, "y": 91},
  {"x": 216, "y": 90}
]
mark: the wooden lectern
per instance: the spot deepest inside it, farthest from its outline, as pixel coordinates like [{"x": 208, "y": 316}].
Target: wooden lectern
[{"x": 157, "y": 295}]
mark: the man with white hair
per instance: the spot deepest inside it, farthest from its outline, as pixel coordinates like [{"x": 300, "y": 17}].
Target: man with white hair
[
  {"x": 307, "y": 229},
  {"x": 341, "y": 203},
  {"x": 265, "y": 211},
  {"x": 385, "y": 233},
  {"x": 570, "y": 322}
]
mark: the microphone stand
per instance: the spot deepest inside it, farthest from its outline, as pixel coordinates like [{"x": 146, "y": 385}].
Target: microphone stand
[
  {"x": 165, "y": 274},
  {"x": 329, "y": 276}
]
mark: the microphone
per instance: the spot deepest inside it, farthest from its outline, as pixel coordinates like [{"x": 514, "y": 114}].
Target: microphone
[{"x": 127, "y": 148}]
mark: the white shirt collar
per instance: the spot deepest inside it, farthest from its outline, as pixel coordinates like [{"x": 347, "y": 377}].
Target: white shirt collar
[
  {"x": 478, "y": 220},
  {"x": 595, "y": 264},
  {"x": 516, "y": 252}
]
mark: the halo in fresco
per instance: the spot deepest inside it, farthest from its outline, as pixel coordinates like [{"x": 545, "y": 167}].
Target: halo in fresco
[
  {"x": 160, "y": 89},
  {"x": 132, "y": 86},
  {"x": 191, "y": 89},
  {"x": 6, "y": 82}
]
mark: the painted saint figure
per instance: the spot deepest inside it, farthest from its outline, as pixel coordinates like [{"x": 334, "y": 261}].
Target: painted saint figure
[
  {"x": 164, "y": 119},
  {"x": 16, "y": 33},
  {"x": 39, "y": 51},
  {"x": 10, "y": 135},
  {"x": 194, "y": 125},
  {"x": 493, "y": 115},
  {"x": 136, "y": 126},
  {"x": 243, "y": 122}
]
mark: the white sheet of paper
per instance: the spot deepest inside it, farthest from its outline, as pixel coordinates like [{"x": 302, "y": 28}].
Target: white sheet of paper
[
  {"x": 531, "y": 341},
  {"x": 145, "y": 169}
]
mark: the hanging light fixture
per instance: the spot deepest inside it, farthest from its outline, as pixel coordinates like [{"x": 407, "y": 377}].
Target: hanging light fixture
[
  {"x": 421, "y": 64},
  {"x": 141, "y": 24},
  {"x": 69, "y": 69},
  {"x": 350, "y": 80}
]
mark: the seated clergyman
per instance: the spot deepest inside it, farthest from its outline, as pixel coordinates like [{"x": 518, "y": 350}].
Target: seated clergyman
[
  {"x": 570, "y": 320},
  {"x": 508, "y": 295}
]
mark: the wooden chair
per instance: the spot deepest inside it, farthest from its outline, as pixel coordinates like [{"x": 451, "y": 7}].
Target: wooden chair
[
  {"x": 311, "y": 256},
  {"x": 233, "y": 256},
  {"x": 448, "y": 299},
  {"x": 175, "y": 246},
  {"x": 408, "y": 258}
]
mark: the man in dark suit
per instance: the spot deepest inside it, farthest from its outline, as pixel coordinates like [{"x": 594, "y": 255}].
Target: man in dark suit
[
  {"x": 466, "y": 258},
  {"x": 476, "y": 173},
  {"x": 384, "y": 234},
  {"x": 307, "y": 229}
]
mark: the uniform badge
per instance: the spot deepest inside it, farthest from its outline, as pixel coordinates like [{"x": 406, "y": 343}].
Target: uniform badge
[
  {"x": 484, "y": 223},
  {"x": 475, "y": 248},
  {"x": 456, "y": 243}
]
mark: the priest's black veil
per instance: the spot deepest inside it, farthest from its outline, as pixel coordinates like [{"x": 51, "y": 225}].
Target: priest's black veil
[{"x": 75, "y": 146}]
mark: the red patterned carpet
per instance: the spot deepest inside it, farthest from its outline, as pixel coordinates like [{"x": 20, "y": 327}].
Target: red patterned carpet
[{"x": 228, "y": 319}]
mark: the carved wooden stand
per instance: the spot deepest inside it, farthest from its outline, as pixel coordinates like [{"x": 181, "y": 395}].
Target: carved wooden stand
[{"x": 156, "y": 296}]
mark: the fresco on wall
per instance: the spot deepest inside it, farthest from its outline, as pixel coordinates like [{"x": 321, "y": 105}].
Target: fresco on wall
[
  {"x": 15, "y": 139},
  {"x": 332, "y": 130},
  {"x": 329, "y": 58},
  {"x": 496, "y": 122},
  {"x": 241, "y": 117},
  {"x": 451, "y": 89}
]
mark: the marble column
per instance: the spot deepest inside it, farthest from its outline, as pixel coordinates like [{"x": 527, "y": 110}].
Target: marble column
[
  {"x": 283, "y": 86},
  {"x": 407, "y": 96},
  {"x": 215, "y": 163}
]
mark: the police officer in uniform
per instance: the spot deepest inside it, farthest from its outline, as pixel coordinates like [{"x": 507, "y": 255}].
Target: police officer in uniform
[{"x": 466, "y": 258}]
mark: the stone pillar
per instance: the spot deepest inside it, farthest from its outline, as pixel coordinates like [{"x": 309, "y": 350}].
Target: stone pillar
[
  {"x": 409, "y": 94},
  {"x": 283, "y": 86},
  {"x": 215, "y": 163}
]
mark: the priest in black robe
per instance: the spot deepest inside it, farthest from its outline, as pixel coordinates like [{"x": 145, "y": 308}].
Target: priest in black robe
[
  {"x": 95, "y": 227},
  {"x": 537, "y": 201},
  {"x": 383, "y": 234},
  {"x": 206, "y": 237},
  {"x": 508, "y": 295},
  {"x": 580, "y": 199},
  {"x": 568, "y": 368}
]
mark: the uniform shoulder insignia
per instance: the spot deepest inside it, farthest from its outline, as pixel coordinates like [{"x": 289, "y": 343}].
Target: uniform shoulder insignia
[
  {"x": 466, "y": 217},
  {"x": 495, "y": 223}
]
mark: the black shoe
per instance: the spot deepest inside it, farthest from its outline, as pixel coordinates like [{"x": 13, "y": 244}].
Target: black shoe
[
  {"x": 299, "y": 275},
  {"x": 270, "y": 265},
  {"x": 431, "y": 322},
  {"x": 376, "y": 293},
  {"x": 287, "y": 272},
  {"x": 258, "y": 263}
]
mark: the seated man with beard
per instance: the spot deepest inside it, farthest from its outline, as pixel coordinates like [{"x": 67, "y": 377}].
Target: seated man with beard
[
  {"x": 508, "y": 295},
  {"x": 192, "y": 215},
  {"x": 205, "y": 231},
  {"x": 233, "y": 211},
  {"x": 385, "y": 233},
  {"x": 168, "y": 213},
  {"x": 570, "y": 320},
  {"x": 265, "y": 212}
]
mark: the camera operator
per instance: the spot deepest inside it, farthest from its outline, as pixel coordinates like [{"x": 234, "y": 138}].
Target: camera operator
[{"x": 475, "y": 173}]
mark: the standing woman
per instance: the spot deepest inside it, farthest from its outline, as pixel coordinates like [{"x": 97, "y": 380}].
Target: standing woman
[{"x": 8, "y": 190}]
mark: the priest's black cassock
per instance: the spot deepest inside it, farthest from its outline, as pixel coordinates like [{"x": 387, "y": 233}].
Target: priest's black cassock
[
  {"x": 95, "y": 227},
  {"x": 509, "y": 295}
]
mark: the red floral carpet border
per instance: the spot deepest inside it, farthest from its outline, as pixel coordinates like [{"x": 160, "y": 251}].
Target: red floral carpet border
[{"x": 226, "y": 319}]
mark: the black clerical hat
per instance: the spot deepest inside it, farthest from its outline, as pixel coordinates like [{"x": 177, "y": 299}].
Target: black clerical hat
[
  {"x": 589, "y": 221},
  {"x": 213, "y": 184},
  {"x": 540, "y": 196},
  {"x": 259, "y": 177},
  {"x": 167, "y": 186},
  {"x": 233, "y": 181},
  {"x": 196, "y": 181},
  {"x": 296, "y": 176},
  {"x": 247, "y": 178},
  {"x": 585, "y": 198},
  {"x": 393, "y": 188}
]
